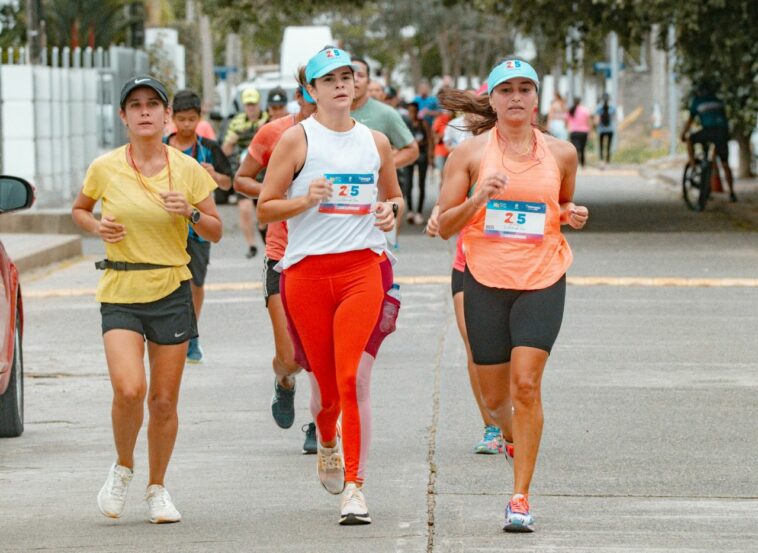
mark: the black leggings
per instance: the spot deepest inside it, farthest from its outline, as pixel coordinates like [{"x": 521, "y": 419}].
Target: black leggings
[
  {"x": 605, "y": 145},
  {"x": 422, "y": 163},
  {"x": 579, "y": 140},
  {"x": 498, "y": 320}
]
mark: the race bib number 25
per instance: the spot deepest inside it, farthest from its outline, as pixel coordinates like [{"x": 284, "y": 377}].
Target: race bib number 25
[
  {"x": 521, "y": 221},
  {"x": 353, "y": 193}
]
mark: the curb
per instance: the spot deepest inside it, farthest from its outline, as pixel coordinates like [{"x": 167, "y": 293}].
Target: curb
[{"x": 32, "y": 251}]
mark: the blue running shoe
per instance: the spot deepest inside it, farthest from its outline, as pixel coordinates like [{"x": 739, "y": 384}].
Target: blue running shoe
[
  {"x": 517, "y": 517},
  {"x": 194, "y": 351},
  {"x": 283, "y": 404},
  {"x": 310, "y": 445},
  {"x": 491, "y": 443}
]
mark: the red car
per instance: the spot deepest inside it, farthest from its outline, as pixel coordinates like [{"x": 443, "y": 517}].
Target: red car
[{"x": 15, "y": 194}]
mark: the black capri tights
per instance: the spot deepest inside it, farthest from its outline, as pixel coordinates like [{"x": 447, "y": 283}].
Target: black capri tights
[{"x": 498, "y": 320}]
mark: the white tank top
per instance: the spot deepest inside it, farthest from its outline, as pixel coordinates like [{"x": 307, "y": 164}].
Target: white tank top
[{"x": 348, "y": 157}]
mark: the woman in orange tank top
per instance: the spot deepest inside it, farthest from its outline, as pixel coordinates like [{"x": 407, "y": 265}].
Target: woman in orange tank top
[{"x": 516, "y": 255}]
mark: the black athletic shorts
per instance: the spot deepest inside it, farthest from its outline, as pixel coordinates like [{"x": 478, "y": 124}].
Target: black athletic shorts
[
  {"x": 200, "y": 257},
  {"x": 498, "y": 320},
  {"x": 715, "y": 135},
  {"x": 169, "y": 320},
  {"x": 456, "y": 281},
  {"x": 270, "y": 278}
]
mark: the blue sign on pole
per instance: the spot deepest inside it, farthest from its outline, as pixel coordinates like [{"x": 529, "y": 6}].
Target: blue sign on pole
[{"x": 222, "y": 71}]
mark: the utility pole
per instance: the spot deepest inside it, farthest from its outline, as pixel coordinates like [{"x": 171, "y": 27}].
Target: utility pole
[
  {"x": 673, "y": 100},
  {"x": 33, "y": 34},
  {"x": 615, "y": 79}
]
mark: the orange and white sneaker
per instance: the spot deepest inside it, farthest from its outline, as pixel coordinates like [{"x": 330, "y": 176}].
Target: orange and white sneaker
[{"x": 517, "y": 516}]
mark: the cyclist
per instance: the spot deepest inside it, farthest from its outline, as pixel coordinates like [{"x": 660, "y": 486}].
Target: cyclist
[{"x": 710, "y": 112}]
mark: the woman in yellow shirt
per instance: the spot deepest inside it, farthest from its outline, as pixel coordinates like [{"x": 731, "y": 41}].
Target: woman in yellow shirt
[{"x": 150, "y": 194}]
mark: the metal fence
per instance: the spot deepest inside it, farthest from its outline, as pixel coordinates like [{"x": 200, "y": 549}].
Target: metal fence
[{"x": 56, "y": 117}]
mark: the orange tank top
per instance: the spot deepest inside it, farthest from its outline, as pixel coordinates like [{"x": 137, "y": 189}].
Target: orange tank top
[{"x": 515, "y": 242}]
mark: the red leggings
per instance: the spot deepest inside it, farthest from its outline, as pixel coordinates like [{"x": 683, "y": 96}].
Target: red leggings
[{"x": 333, "y": 303}]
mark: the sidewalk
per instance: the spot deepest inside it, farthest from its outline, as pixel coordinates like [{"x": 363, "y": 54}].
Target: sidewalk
[
  {"x": 745, "y": 210},
  {"x": 32, "y": 251}
]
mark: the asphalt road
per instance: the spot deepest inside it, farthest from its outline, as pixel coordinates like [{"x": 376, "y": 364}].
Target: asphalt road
[{"x": 650, "y": 440}]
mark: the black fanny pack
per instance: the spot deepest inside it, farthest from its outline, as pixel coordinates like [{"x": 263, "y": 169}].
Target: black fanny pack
[{"x": 104, "y": 264}]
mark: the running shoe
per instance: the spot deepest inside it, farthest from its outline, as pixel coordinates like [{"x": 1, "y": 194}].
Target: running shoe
[
  {"x": 353, "y": 509},
  {"x": 194, "y": 351},
  {"x": 331, "y": 468},
  {"x": 283, "y": 404},
  {"x": 517, "y": 517},
  {"x": 310, "y": 445},
  {"x": 251, "y": 252},
  {"x": 418, "y": 219},
  {"x": 491, "y": 442},
  {"x": 112, "y": 495},
  {"x": 160, "y": 506},
  {"x": 508, "y": 449}
]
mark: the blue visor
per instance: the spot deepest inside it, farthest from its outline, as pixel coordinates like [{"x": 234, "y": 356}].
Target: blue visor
[
  {"x": 326, "y": 61},
  {"x": 511, "y": 69},
  {"x": 307, "y": 97}
]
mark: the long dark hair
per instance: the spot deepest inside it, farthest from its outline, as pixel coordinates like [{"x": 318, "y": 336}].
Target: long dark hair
[
  {"x": 577, "y": 101},
  {"x": 481, "y": 115}
]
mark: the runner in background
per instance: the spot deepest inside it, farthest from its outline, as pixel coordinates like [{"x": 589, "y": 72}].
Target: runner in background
[
  {"x": 514, "y": 282},
  {"x": 381, "y": 117},
  {"x": 240, "y": 132},
  {"x": 276, "y": 103},
  {"x": 246, "y": 182},
  {"x": 334, "y": 180},
  {"x": 428, "y": 108},
  {"x": 186, "y": 109},
  {"x": 422, "y": 134},
  {"x": 556, "y": 117},
  {"x": 579, "y": 123},
  {"x": 492, "y": 441}
]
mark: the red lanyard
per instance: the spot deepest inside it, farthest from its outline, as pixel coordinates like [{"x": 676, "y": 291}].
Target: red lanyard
[{"x": 151, "y": 194}]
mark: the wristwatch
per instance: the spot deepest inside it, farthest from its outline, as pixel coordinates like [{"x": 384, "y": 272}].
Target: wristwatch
[
  {"x": 395, "y": 209},
  {"x": 195, "y": 216}
]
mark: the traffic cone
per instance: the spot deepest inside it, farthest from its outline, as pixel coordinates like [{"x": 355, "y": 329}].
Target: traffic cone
[{"x": 716, "y": 185}]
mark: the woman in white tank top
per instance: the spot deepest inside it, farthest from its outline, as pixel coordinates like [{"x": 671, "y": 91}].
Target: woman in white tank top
[{"x": 334, "y": 181}]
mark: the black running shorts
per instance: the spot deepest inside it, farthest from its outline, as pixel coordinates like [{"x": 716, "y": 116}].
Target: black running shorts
[
  {"x": 270, "y": 278},
  {"x": 200, "y": 257},
  {"x": 498, "y": 320},
  {"x": 456, "y": 282},
  {"x": 715, "y": 135},
  {"x": 167, "y": 321}
]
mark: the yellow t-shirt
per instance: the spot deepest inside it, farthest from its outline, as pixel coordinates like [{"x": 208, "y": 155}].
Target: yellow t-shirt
[{"x": 152, "y": 234}]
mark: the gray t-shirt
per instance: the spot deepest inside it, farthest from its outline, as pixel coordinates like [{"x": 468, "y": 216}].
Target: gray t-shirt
[{"x": 385, "y": 119}]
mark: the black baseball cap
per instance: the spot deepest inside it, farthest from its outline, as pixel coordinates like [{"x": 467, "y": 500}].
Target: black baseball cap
[
  {"x": 185, "y": 100},
  {"x": 144, "y": 81},
  {"x": 277, "y": 97},
  {"x": 390, "y": 92}
]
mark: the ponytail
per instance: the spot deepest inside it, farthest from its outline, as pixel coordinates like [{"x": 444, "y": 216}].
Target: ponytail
[{"x": 483, "y": 116}]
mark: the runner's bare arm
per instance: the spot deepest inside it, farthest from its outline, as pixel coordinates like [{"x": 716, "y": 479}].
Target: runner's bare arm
[
  {"x": 106, "y": 228},
  {"x": 566, "y": 157},
  {"x": 287, "y": 158},
  {"x": 244, "y": 180},
  {"x": 406, "y": 155},
  {"x": 460, "y": 172},
  {"x": 388, "y": 188}
]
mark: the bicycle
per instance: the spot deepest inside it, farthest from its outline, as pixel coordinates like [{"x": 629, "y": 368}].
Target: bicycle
[{"x": 696, "y": 180}]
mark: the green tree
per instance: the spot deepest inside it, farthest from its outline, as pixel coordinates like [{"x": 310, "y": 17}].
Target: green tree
[{"x": 84, "y": 22}]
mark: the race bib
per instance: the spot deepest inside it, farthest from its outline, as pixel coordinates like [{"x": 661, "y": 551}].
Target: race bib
[
  {"x": 353, "y": 194},
  {"x": 521, "y": 221}
]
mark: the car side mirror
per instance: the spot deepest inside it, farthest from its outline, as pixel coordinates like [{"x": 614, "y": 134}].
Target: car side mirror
[{"x": 15, "y": 194}]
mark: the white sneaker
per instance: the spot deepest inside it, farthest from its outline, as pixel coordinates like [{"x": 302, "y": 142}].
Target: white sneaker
[
  {"x": 112, "y": 495},
  {"x": 331, "y": 468},
  {"x": 160, "y": 506},
  {"x": 353, "y": 509},
  {"x": 418, "y": 219}
]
